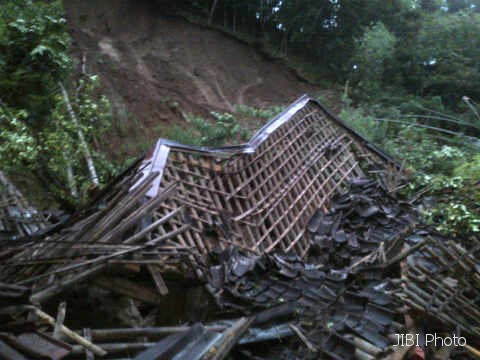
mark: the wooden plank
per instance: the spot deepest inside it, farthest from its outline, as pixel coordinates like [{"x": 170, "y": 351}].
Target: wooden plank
[
  {"x": 128, "y": 288},
  {"x": 158, "y": 279}
]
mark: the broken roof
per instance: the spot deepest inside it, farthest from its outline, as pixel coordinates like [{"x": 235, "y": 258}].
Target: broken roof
[{"x": 259, "y": 195}]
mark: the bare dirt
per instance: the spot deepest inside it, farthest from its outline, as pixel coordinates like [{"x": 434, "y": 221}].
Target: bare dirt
[{"x": 156, "y": 68}]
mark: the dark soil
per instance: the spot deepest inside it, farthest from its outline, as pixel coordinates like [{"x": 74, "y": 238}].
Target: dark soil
[{"x": 156, "y": 68}]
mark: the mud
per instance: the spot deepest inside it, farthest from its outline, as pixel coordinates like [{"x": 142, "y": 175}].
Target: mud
[{"x": 156, "y": 68}]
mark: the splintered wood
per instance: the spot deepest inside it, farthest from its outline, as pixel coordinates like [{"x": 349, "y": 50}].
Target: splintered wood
[{"x": 117, "y": 229}]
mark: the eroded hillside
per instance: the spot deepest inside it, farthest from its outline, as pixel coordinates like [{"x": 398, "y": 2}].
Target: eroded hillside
[{"x": 156, "y": 68}]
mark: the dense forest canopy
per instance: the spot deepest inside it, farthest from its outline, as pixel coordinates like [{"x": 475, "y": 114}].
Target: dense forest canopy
[
  {"x": 409, "y": 70},
  {"x": 424, "y": 48}
]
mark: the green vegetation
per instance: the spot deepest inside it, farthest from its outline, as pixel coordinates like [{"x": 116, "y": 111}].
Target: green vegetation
[
  {"x": 224, "y": 128},
  {"x": 445, "y": 170},
  {"x": 51, "y": 116},
  {"x": 373, "y": 53}
]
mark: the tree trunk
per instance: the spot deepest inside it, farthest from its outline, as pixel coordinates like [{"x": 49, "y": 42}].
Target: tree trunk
[
  {"x": 72, "y": 186},
  {"x": 81, "y": 137},
  {"x": 285, "y": 41},
  {"x": 225, "y": 21},
  {"x": 234, "y": 22},
  {"x": 212, "y": 11}
]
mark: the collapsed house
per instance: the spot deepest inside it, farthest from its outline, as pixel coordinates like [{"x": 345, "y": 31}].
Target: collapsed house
[{"x": 293, "y": 240}]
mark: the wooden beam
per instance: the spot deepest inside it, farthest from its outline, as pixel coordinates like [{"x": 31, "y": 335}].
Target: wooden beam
[{"x": 128, "y": 288}]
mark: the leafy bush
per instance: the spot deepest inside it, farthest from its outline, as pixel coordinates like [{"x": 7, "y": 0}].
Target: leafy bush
[
  {"x": 469, "y": 170},
  {"x": 454, "y": 217},
  {"x": 258, "y": 113},
  {"x": 223, "y": 128},
  {"x": 443, "y": 169},
  {"x": 365, "y": 124}
]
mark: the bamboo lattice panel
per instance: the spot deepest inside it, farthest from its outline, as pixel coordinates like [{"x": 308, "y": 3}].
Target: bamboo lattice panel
[{"x": 259, "y": 196}]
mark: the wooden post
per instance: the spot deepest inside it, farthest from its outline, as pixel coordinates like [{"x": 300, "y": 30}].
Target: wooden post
[{"x": 71, "y": 334}]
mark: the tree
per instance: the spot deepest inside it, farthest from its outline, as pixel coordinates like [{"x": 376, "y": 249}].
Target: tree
[
  {"x": 454, "y": 6},
  {"x": 212, "y": 11},
  {"x": 39, "y": 135},
  {"x": 373, "y": 52},
  {"x": 448, "y": 47},
  {"x": 431, "y": 5}
]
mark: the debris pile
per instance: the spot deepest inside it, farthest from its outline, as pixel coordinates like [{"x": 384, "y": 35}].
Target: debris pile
[
  {"x": 17, "y": 217},
  {"x": 357, "y": 223},
  {"x": 292, "y": 246},
  {"x": 341, "y": 317},
  {"x": 441, "y": 280}
]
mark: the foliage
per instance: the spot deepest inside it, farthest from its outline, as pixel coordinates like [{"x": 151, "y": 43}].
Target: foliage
[
  {"x": 225, "y": 127},
  {"x": 449, "y": 48},
  {"x": 258, "y": 113},
  {"x": 93, "y": 112},
  {"x": 17, "y": 146},
  {"x": 445, "y": 170},
  {"x": 38, "y": 137},
  {"x": 455, "y": 218},
  {"x": 373, "y": 52},
  {"x": 33, "y": 56},
  {"x": 364, "y": 123},
  {"x": 469, "y": 170},
  {"x": 222, "y": 128}
]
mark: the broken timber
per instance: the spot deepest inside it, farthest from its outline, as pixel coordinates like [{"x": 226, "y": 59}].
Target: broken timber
[{"x": 17, "y": 217}]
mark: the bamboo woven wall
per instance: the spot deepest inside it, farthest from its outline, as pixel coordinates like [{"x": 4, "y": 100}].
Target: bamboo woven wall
[{"x": 260, "y": 195}]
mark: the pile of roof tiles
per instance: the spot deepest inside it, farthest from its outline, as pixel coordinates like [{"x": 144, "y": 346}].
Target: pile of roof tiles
[
  {"x": 370, "y": 267},
  {"x": 347, "y": 312},
  {"x": 342, "y": 312},
  {"x": 357, "y": 223}
]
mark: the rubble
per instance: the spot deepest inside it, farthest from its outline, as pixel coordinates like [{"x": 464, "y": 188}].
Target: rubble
[
  {"x": 292, "y": 246},
  {"x": 17, "y": 217}
]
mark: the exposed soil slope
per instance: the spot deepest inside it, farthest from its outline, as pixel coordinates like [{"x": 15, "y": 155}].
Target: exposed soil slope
[{"x": 156, "y": 67}]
